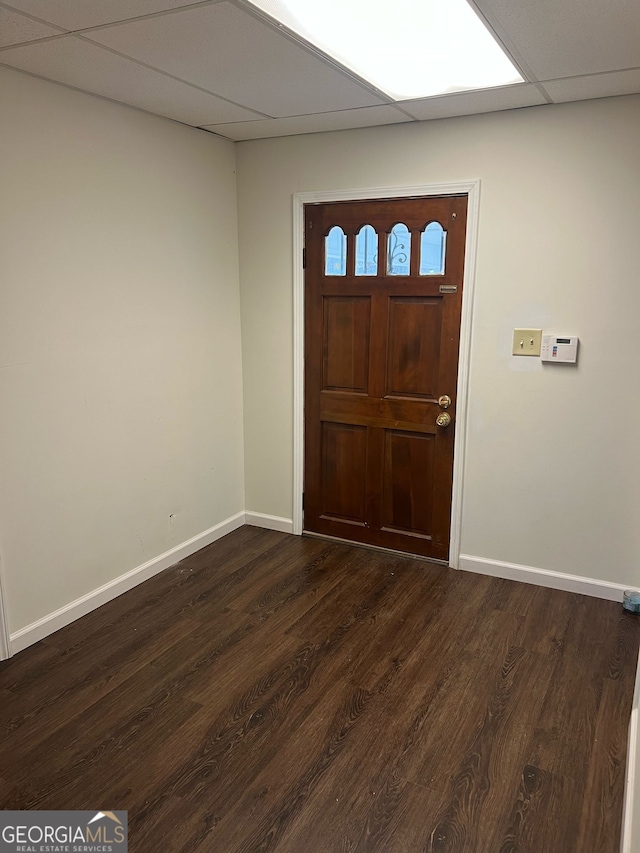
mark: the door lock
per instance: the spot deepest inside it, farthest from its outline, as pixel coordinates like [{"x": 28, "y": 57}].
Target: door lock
[
  {"x": 443, "y": 419},
  {"x": 445, "y": 401}
]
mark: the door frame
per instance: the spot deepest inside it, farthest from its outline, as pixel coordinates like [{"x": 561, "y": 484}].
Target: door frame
[{"x": 472, "y": 190}]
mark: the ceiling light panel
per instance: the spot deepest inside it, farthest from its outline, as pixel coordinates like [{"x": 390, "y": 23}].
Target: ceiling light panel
[{"x": 408, "y": 49}]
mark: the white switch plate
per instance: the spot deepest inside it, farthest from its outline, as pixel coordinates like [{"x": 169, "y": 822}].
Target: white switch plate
[{"x": 527, "y": 341}]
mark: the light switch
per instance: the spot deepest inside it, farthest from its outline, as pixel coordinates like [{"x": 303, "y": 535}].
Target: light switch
[{"x": 527, "y": 341}]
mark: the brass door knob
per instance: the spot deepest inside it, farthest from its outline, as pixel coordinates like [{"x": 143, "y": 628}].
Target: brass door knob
[
  {"x": 443, "y": 419},
  {"x": 445, "y": 401}
]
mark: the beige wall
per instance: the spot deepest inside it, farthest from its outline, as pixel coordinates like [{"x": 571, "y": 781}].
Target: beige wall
[
  {"x": 120, "y": 377},
  {"x": 551, "y": 479}
]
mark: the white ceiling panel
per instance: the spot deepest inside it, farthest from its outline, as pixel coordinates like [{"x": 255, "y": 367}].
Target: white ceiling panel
[
  {"x": 564, "y": 39},
  {"x": 77, "y": 14},
  {"x": 482, "y": 101},
  {"x": 344, "y": 120},
  {"x": 594, "y": 86},
  {"x": 231, "y": 53},
  {"x": 76, "y": 62},
  {"x": 17, "y": 29},
  {"x": 221, "y": 65}
]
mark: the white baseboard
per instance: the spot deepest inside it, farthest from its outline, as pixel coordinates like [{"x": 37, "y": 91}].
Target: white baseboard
[
  {"x": 543, "y": 577},
  {"x": 270, "y": 522},
  {"x": 81, "y": 606}
]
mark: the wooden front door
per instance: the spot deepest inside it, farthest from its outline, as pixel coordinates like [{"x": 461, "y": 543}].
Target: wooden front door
[{"x": 383, "y": 293}]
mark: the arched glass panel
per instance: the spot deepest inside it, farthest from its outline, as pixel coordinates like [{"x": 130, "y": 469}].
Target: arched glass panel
[
  {"x": 432, "y": 249},
  {"x": 335, "y": 252},
  {"x": 399, "y": 250},
  {"x": 367, "y": 251}
]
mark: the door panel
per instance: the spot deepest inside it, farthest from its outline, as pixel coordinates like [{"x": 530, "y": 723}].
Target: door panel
[
  {"x": 414, "y": 346},
  {"x": 345, "y": 354},
  {"x": 381, "y": 347},
  {"x": 408, "y": 465},
  {"x": 344, "y": 450}
]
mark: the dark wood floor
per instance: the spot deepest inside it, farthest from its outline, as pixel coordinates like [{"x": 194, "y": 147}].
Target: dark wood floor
[{"x": 274, "y": 693}]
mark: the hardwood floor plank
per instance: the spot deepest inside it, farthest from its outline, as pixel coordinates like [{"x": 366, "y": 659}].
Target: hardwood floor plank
[
  {"x": 307, "y": 588},
  {"x": 604, "y": 791},
  {"x": 273, "y": 777},
  {"x": 273, "y": 827},
  {"x": 488, "y": 761},
  {"x": 563, "y": 738},
  {"x": 623, "y": 653},
  {"x": 364, "y": 580},
  {"x": 476, "y": 803},
  {"x": 546, "y": 621},
  {"x": 277, "y": 693},
  {"x": 449, "y": 704},
  {"x": 237, "y": 723},
  {"x": 538, "y": 820},
  {"x": 24, "y": 669},
  {"x": 91, "y": 774},
  {"x": 411, "y": 827},
  {"x": 187, "y": 825},
  {"x": 304, "y": 561},
  {"x": 511, "y": 596},
  {"x": 152, "y": 687},
  {"x": 87, "y": 679}
]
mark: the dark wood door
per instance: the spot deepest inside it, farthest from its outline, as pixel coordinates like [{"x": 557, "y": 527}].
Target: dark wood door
[{"x": 383, "y": 292}]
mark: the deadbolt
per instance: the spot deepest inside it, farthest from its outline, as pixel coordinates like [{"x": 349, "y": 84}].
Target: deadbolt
[
  {"x": 443, "y": 419},
  {"x": 445, "y": 401}
]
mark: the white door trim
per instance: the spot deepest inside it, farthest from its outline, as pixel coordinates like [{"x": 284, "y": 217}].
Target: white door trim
[
  {"x": 5, "y": 646},
  {"x": 472, "y": 189}
]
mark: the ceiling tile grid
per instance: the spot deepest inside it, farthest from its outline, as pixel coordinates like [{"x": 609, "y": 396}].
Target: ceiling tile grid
[
  {"x": 565, "y": 38},
  {"x": 17, "y": 29},
  {"x": 594, "y": 86},
  {"x": 78, "y": 14},
  {"x": 221, "y": 65},
  {"x": 480, "y": 101},
  {"x": 343, "y": 120},
  {"x": 231, "y": 53},
  {"x": 83, "y": 65}
]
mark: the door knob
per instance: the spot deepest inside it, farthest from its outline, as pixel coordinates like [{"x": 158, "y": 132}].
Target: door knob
[
  {"x": 443, "y": 419},
  {"x": 444, "y": 401}
]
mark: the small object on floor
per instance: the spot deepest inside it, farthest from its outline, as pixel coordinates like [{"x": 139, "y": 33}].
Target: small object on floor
[{"x": 631, "y": 601}]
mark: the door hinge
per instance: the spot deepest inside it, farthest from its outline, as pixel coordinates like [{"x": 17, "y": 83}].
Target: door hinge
[{"x": 304, "y": 259}]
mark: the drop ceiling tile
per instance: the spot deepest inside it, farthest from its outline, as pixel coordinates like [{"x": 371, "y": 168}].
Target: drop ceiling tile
[
  {"x": 78, "y": 14},
  {"x": 346, "y": 119},
  {"x": 233, "y": 54},
  {"x": 76, "y": 62},
  {"x": 594, "y": 86},
  {"x": 478, "y": 101},
  {"x": 565, "y": 39},
  {"x": 17, "y": 29}
]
